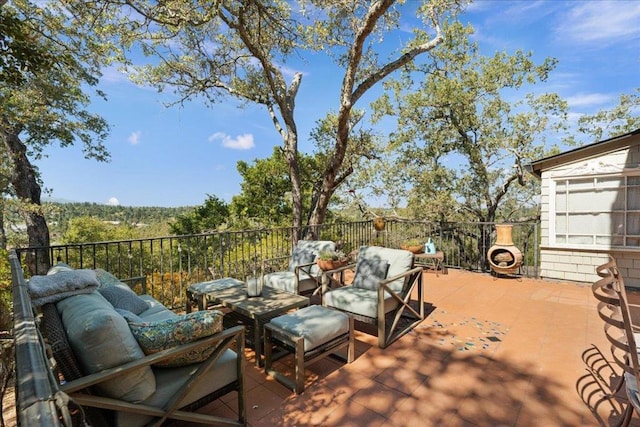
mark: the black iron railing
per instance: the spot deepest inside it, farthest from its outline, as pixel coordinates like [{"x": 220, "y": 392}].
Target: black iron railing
[{"x": 172, "y": 263}]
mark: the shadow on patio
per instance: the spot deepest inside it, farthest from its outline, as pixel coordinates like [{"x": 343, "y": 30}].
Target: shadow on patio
[{"x": 493, "y": 351}]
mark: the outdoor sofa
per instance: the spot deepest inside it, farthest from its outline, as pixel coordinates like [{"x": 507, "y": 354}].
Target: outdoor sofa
[{"x": 120, "y": 359}]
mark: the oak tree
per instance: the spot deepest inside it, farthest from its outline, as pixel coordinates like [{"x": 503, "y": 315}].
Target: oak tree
[{"x": 46, "y": 67}]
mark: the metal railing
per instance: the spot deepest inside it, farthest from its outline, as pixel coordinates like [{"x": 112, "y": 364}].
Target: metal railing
[{"x": 170, "y": 264}]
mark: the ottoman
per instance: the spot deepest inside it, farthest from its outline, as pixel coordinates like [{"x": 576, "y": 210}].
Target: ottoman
[
  {"x": 198, "y": 293},
  {"x": 310, "y": 333}
]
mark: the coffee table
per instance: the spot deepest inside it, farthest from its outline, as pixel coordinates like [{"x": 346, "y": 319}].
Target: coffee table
[{"x": 254, "y": 312}]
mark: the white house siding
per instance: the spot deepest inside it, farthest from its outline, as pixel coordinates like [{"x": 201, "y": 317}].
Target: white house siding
[{"x": 574, "y": 264}]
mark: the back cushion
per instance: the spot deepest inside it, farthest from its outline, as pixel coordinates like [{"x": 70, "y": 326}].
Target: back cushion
[
  {"x": 399, "y": 261},
  {"x": 101, "y": 339},
  {"x": 315, "y": 247},
  {"x": 370, "y": 272},
  {"x": 300, "y": 256}
]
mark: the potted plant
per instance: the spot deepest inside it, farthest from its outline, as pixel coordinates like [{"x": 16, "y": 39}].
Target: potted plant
[
  {"x": 330, "y": 260},
  {"x": 413, "y": 245}
]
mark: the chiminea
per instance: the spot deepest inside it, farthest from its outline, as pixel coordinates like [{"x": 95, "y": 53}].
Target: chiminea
[{"x": 504, "y": 257}]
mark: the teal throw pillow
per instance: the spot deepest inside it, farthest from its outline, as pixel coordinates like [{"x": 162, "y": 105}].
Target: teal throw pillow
[
  {"x": 106, "y": 279},
  {"x": 122, "y": 297},
  {"x": 164, "y": 334}
]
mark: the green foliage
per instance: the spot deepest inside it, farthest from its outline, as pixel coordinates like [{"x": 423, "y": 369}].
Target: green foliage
[
  {"x": 462, "y": 146},
  {"x": 208, "y": 217},
  {"x": 620, "y": 119},
  {"x": 44, "y": 98},
  {"x": 265, "y": 197},
  {"x": 90, "y": 229}
]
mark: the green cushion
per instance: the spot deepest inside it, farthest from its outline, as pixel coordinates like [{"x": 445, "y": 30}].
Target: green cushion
[
  {"x": 101, "y": 339},
  {"x": 156, "y": 336}
]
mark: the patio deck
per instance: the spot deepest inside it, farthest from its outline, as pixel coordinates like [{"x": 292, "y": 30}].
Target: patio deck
[{"x": 492, "y": 352}]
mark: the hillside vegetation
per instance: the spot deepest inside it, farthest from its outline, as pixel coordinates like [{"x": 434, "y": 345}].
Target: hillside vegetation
[{"x": 147, "y": 220}]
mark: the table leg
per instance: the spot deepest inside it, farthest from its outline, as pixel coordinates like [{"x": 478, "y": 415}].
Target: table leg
[{"x": 257, "y": 341}]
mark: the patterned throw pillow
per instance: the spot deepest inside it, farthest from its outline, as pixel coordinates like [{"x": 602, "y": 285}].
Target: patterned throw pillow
[
  {"x": 121, "y": 296},
  {"x": 157, "y": 336}
]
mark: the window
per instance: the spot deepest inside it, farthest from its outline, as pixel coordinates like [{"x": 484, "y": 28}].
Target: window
[{"x": 595, "y": 211}]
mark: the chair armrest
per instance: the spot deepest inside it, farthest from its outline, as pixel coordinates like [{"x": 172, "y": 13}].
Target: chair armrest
[
  {"x": 305, "y": 268},
  {"x": 340, "y": 270},
  {"x": 133, "y": 281},
  {"x": 400, "y": 276},
  {"x": 226, "y": 338},
  {"x": 267, "y": 264}
]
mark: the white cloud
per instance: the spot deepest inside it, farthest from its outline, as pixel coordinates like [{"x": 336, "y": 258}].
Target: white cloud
[
  {"x": 134, "y": 138},
  {"x": 589, "y": 99},
  {"x": 113, "y": 202},
  {"x": 240, "y": 142},
  {"x": 113, "y": 74},
  {"x": 601, "y": 22}
]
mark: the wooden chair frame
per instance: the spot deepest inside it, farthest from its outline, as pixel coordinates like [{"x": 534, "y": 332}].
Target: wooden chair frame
[
  {"x": 223, "y": 340},
  {"x": 388, "y": 329}
]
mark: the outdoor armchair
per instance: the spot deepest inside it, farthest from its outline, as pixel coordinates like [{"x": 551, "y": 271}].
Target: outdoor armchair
[
  {"x": 303, "y": 276},
  {"x": 380, "y": 292}
]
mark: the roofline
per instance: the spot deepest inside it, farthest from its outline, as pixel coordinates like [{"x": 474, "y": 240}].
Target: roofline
[{"x": 590, "y": 150}]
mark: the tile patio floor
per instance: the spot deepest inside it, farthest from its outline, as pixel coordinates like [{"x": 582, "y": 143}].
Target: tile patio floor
[{"x": 493, "y": 352}]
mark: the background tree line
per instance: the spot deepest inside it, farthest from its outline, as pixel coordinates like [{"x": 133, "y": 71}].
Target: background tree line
[{"x": 444, "y": 96}]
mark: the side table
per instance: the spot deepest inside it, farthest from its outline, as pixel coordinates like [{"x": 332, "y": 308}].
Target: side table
[{"x": 432, "y": 261}]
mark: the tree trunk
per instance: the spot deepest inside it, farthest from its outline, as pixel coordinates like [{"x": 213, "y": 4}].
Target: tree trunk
[
  {"x": 3, "y": 233},
  {"x": 25, "y": 183}
]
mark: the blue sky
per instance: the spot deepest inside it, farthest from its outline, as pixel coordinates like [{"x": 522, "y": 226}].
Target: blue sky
[{"x": 176, "y": 156}]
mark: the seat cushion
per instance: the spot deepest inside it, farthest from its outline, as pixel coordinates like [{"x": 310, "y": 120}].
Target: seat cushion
[
  {"x": 300, "y": 256},
  {"x": 155, "y": 310},
  {"x": 101, "y": 339},
  {"x": 169, "y": 381},
  {"x": 358, "y": 301},
  {"x": 316, "y": 324},
  {"x": 315, "y": 247}
]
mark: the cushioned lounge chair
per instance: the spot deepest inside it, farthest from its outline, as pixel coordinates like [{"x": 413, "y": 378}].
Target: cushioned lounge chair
[
  {"x": 302, "y": 275},
  {"x": 380, "y": 293}
]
